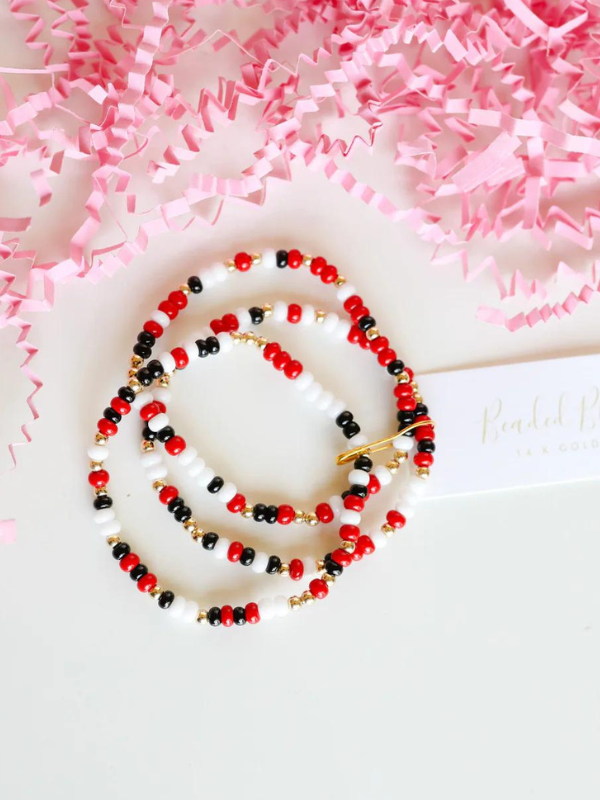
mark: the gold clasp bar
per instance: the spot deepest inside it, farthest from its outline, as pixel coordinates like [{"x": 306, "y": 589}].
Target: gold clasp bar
[{"x": 380, "y": 444}]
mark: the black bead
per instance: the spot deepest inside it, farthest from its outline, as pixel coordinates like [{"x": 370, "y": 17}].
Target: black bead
[
  {"x": 176, "y": 503},
  {"x": 209, "y": 540},
  {"x": 144, "y": 377},
  {"x": 214, "y": 616},
  {"x": 345, "y": 494},
  {"x": 104, "y": 501},
  {"x": 164, "y": 434},
  {"x": 426, "y": 446},
  {"x": 112, "y": 415},
  {"x": 421, "y": 409},
  {"x": 127, "y": 394},
  {"x": 148, "y": 434},
  {"x": 259, "y": 512},
  {"x": 165, "y": 599},
  {"x": 216, "y": 484},
  {"x": 395, "y": 367},
  {"x": 344, "y": 418},
  {"x": 282, "y": 258},
  {"x": 358, "y": 490},
  {"x": 195, "y": 284},
  {"x": 202, "y": 348},
  {"x": 142, "y": 350},
  {"x": 138, "y": 572},
  {"x": 183, "y": 513},
  {"x": 144, "y": 337},
  {"x": 364, "y": 323},
  {"x": 257, "y": 315},
  {"x": 406, "y": 418},
  {"x": 333, "y": 568},
  {"x": 247, "y": 556},
  {"x": 239, "y": 615},
  {"x": 364, "y": 463},
  {"x": 213, "y": 345},
  {"x": 273, "y": 565},
  {"x": 351, "y": 429},
  {"x": 271, "y": 514},
  {"x": 121, "y": 550},
  {"x": 155, "y": 368}
]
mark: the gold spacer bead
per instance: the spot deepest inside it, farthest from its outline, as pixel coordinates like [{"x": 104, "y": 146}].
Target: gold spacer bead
[
  {"x": 393, "y": 466},
  {"x": 236, "y": 337},
  {"x": 320, "y": 565},
  {"x": 230, "y": 265},
  {"x": 147, "y": 446},
  {"x": 320, "y": 316},
  {"x": 307, "y": 259},
  {"x": 295, "y": 603},
  {"x": 415, "y": 386},
  {"x": 100, "y": 438},
  {"x": 267, "y": 310},
  {"x": 403, "y": 377},
  {"x": 197, "y": 534},
  {"x": 387, "y": 529},
  {"x": 156, "y": 592},
  {"x": 423, "y": 472},
  {"x": 95, "y": 465},
  {"x": 185, "y": 289},
  {"x": 248, "y": 512},
  {"x": 311, "y": 519},
  {"x": 190, "y": 523},
  {"x": 347, "y": 546},
  {"x": 307, "y": 599},
  {"x": 101, "y": 492},
  {"x": 164, "y": 381},
  {"x": 284, "y": 569},
  {"x": 418, "y": 397},
  {"x": 134, "y": 385},
  {"x": 131, "y": 373},
  {"x": 329, "y": 579},
  {"x": 401, "y": 456},
  {"x": 249, "y": 338},
  {"x": 340, "y": 281},
  {"x": 113, "y": 540},
  {"x": 136, "y": 361},
  {"x": 261, "y": 342},
  {"x": 158, "y": 485},
  {"x": 256, "y": 259},
  {"x": 202, "y": 617},
  {"x": 298, "y": 516},
  {"x": 373, "y": 333}
]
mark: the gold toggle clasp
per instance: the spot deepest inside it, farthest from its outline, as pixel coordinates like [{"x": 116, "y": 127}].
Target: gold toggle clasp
[{"x": 380, "y": 444}]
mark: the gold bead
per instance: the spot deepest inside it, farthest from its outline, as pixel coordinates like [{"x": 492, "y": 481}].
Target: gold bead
[
  {"x": 249, "y": 338},
  {"x": 101, "y": 492},
  {"x": 113, "y": 540},
  {"x": 147, "y": 446},
  {"x": 320, "y": 316},
  {"x": 261, "y": 342},
  {"x": 256, "y": 259},
  {"x": 423, "y": 472},
  {"x": 136, "y": 361},
  {"x": 158, "y": 485},
  {"x": 393, "y": 466},
  {"x": 307, "y": 259},
  {"x": 164, "y": 381},
  {"x": 267, "y": 310},
  {"x": 248, "y": 512},
  {"x": 401, "y": 456},
  {"x": 347, "y": 546},
  {"x": 95, "y": 466},
  {"x": 320, "y": 564},
  {"x": 134, "y": 385},
  {"x": 415, "y": 385},
  {"x": 387, "y": 529},
  {"x": 197, "y": 534},
  {"x": 190, "y": 523},
  {"x": 311, "y": 519},
  {"x": 157, "y": 591},
  {"x": 373, "y": 333},
  {"x": 236, "y": 337},
  {"x": 230, "y": 265},
  {"x": 340, "y": 281},
  {"x": 131, "y": 373},
  {"x": 418, "y": 397},
  {"x": 329, "y": 579},
  {"x": 185, "y": 289},
  {"x": 403, "y": 377},
  {"x": 202, "y": 617},
  {"x": 100, "y": 438},
  {"x": 298, "y": 516},
  {"x": 307, "y": 598},
  {"x": 284, "y": 569},
  {"x": 295, "y": 603}
]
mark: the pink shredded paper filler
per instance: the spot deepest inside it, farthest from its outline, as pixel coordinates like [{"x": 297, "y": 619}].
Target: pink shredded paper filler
[{"x": 495, "y": 110}]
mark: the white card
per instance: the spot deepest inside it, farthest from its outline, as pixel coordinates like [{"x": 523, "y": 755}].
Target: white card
[{"x": 516, "y": 425}]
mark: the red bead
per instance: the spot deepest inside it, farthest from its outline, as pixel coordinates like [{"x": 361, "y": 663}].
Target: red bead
[
  {"x": 364, "y": 544},
  {"x": 154, "y": 328},
  {"x": 231, "y": 322},
  {"x": 122, "y": 407},
  {"x": 386, "y": 356},
  {"x": 374, "y": 485},
  {"x": 296, "y": 569},
  {"x": 426, "y": 432},
  {"x": 357, "y": 554},
  {"x": 341, "y": 557},
  {"x": 354, "y": 503},
  {"x": 324, "y": 512},
  {"x": 181, "y": 357},
  {"x": 294, "y": 313},
  {"x": 285, "y": 514},
  {"x": 423, "y": 459},
  {"x": 149, "y": 410},
  {"x": 317, "y": 265},
  {"x": 294, "y": 259},
  {"x": 252, "y": 615},
  {"x": 349, "y": 533},
  {"x": 396, "y": 519},
  {"x": 161, "y": 406},
  {"x": 178, "y": 299},
  {"x": 409, "y": 372},
  {"x": 147, "y": 582},
  {"x": 281, "y": 360},
  {"x": 318, "y": 588},
  {"x": 354, "y": 334},
  {"x": 379, "y": 344},
  {"x": 168, "y": 494},
  {"x": 128, "y": 562},
  {"x": 406, "y": 403},
  {"x": 271, "y": 351},
  {"x": 98, "y": 479},
  {"x": 329, "y": 274},
  {"x": 175, "y": 445},
  {"x": 226, "y": 616},
  {"x": 217, "y": 326},
  {"x": 235, "y": 551},
  {"x": 352, "y": 302},
  {"x": 363, "y": 342},
  {"x": 403, "y": 390},
  {"x": 237, "y": 503},
  {"x": 358, "y": 313},
  {"x": 243, "y": 261},
  {"x": 168, "y": 308},
  {"x": 106, "y": 427},
  {"x": 292, "y": 369}
]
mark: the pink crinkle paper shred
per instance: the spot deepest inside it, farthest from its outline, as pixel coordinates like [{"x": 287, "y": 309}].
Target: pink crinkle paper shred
[{"x": 494, "y": 109}]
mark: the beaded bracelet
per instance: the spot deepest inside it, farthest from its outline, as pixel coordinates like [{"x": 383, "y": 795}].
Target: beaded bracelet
[{"x": 361, "y": 330}]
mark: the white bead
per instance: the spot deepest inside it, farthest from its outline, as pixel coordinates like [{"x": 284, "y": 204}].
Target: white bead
[
  {"x": 150, "y": 458},
  {"x": 266, "y": 608},
  {"x": 330, "y": 322},
  {"x": 260, "y": 562},
  {"x": 343, "y": 329},
  {"x": 157, "y": 473},
  {"x": 359, "y": 440},
  {"x": 282, "y": 607},
  {"x": 142, "y": 399},
  {"x": 379, "y": 539},
  {"x": 304, "y": 380},
  {"x": 324, "y": 401},
  {"x": 227, "y": 492},
  {"x": 337, "y": 505},
  {"x": 190, "y": 611},
  {"x": 345, "y": 291},
  {"x": 404, "y": 443},
  {"x": 407, "y": 511},
  {"x": 205, "y": 477},
  {"x": 168, "y": 363},
  {"x": 207, "y": 277},
  {"x": 196, "y": 467},
  {"x": 269, "y": 258},
  {"x": 177, "y": 606},
  {"x": 221, "y": 548},
  {"x": 160, "y": 317},
  {"x": 349, "y": 517},
  {"x": 163, "y": 395},
  {"x": 187, "y": 456},
  {"x": 97, "y": 452},
  {"x": 158, "y": 422},
  {"x": 111, "y": 528},
  {"x": 359, "y": 477},
  {"x": 416, "y": 486},
  {"x": 310, "y": 568},
  {"x": 104, "y": 515},
  {"x": 244, "y": 319},
  {"x": 336, "y": 408},
  {"x": 225, "y": 342},
  {"x": 191, "y": 349},
  {"x": 408, "y": 498},
  {"x": 280, "y": 311},
  {"x": 308, "y": 316},
  {"x": 313, "y": 392},
  {"x": 220, "y": 272},
  {"x": 382, "y": 474}
]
